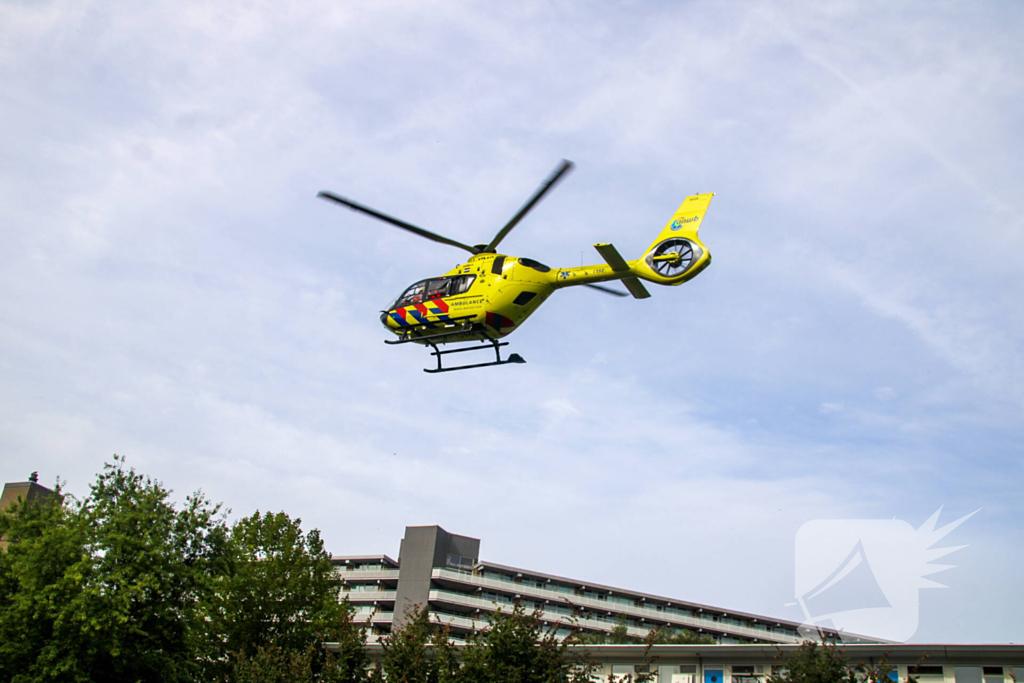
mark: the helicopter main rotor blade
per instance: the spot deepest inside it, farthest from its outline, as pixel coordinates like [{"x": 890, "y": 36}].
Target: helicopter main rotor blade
[
  {"x": 397, "y": 223},
  {"x": 607, "y": 290},
  {"x": 562, "y": 169}
]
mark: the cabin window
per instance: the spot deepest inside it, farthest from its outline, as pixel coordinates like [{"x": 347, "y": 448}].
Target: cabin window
[
  {"x": 438, "y": 288},
  {"x": 461, "y": 284}
]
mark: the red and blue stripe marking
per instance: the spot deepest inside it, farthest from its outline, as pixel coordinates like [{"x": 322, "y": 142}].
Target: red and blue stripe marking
[
  {"x": 419, "y": 312},
  {"x": 498, "y": 321}
]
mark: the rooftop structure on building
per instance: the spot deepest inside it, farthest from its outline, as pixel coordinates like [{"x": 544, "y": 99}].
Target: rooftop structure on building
[
  {"x": 27, "y": 491},
  {"x": 443, "y": 572}
]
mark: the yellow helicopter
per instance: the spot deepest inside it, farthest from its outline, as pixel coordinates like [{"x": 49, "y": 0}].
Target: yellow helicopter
[{"x": 490, "y": 295}]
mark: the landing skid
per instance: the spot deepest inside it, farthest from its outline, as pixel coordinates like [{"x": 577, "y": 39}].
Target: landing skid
[
  {"x": 455, "y": 336},
  {"x": 492, "y": 343}
]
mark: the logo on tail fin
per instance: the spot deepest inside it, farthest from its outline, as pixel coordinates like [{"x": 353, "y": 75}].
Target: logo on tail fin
[{"x": 678, "y": 223}]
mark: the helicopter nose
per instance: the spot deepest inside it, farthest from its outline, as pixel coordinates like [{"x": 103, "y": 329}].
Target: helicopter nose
[{"x": 384, "y": 318}]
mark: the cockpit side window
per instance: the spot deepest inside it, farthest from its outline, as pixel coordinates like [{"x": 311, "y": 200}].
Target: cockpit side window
[
  {"x": 413, "y": 295},
  {"x": 425, "y": 290}
]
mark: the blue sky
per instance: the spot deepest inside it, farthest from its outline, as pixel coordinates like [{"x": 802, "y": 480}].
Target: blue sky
[{"x": 173, "y": 290}]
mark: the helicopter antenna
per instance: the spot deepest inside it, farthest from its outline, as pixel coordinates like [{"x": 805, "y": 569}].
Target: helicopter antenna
[
  {"x": 398, "y": 223},
  {"x": 553, "y": 179}
]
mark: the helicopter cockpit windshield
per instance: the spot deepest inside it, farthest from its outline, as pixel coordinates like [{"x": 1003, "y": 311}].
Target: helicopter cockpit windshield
[{"x": 425, "y": 290}]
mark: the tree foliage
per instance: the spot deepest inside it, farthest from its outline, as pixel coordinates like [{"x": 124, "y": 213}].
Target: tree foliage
[
  {"x": 682, "y": 636},
  {"x": 659, "y": 636},
  {"x": 279, "y": 594},
  {"x": 126, "y": 586},
  {"x": 36, "y": 588},
  {"x": 417, "y": 652},
  {"x": 146, "y": 571},
  {"x": 109, "y": 588},
  {"x": 515, "y": 647},
  {"x": 815, "y": 662},
  {"x": 825, "y": 662},
  {"x": 273, "y": 664}
]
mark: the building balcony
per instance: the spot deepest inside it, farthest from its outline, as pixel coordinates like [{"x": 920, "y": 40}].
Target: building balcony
[
  {"x": 360, "y": 574},
  {"x": 357, "y": 597},
  {"x": 485, "y": 606},
  {"x": 651, "y": 614}
]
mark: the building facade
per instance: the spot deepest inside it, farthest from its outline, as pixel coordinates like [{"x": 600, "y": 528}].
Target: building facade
[
  {"x": 443, "y": 572},
  {"x": 754, "y": 663}
]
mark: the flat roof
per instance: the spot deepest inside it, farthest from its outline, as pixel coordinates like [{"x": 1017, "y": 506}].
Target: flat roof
[{"x": 364, "y": 558}]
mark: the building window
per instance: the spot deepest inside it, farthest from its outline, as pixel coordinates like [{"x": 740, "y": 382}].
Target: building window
[
  {"x": 924, "y": 670},
  {"x": 460, "y": 562}
]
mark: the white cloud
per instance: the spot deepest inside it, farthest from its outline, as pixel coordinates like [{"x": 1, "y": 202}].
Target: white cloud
[{"x": 173, "y": 290}]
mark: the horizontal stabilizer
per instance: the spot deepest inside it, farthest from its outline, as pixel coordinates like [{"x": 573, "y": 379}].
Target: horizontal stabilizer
[
  {"x": 614, "y": 259},
  {"x": 635, "y": 287}
]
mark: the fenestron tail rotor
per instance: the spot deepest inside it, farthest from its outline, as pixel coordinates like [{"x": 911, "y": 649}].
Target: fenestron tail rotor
[{"x": 672, "y": 257}]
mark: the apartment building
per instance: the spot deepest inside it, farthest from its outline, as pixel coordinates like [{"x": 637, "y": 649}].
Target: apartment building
[{"x": 444, "y": 572}]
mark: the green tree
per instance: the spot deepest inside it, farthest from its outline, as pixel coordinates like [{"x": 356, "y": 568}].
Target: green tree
[
  {"x": 418, "y": 652},
  {"x": 279, "y": 593},
  {"x": 881, "y": 671},
  {"x": 273, "y": 665},
  {"x": 148, "y": 569},
  {"x": 815, "y": 662},
  {"x": 108, "y": 589},
  {"x": 44, "y": 542},
  {"x": 515, "y": 647},
  {"x": 589, "y": 638},
  {"x": 620, "y": 633},
  {"x": 125, "y": 586},
  {"x": 684, "y": 636}
]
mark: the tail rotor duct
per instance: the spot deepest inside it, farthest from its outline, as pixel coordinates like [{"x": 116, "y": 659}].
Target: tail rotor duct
[{"x": 672, "y": 257}]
